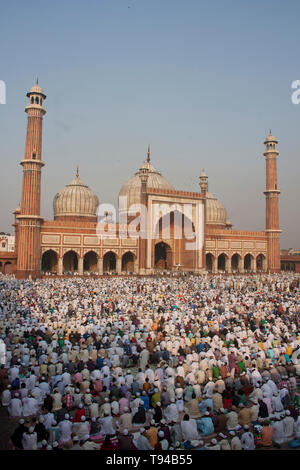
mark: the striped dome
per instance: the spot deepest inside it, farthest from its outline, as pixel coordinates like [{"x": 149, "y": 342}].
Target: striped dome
[
  {"x": 215, "y": 212},
  {"x": 76, "y": 199},
  {"x": 132, "y": 189}
]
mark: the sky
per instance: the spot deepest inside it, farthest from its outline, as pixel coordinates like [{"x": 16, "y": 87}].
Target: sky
[{"x": 202, "y": 82}]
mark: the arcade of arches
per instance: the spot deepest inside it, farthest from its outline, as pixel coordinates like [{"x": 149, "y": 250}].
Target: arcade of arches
[
  {"x": 163, "y": 259},
  {"x": 235, "y": 263}
]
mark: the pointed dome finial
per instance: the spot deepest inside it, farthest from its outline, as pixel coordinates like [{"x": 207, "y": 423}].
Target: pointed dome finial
[
  {"x": 148, "y": 154},
  {"x": 77, "y": 171},
  {"x": 37, "y": 80}
]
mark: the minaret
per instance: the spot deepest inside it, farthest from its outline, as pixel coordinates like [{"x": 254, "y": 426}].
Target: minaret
[
  {"x": 29, "y": 232},
  {"x": 272, "y": 207},
  {"x": 204, "y": 189},
  {"x": 143, "y": 241}
]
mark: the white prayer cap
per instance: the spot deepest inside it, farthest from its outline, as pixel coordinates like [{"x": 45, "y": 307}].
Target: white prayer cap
[
  {"x": 152, "y": 421},
  {"x": 126, "y": 409},
  {"x": 232, "y": 433},
  {"x": 44, "y": 442},
  {"x": 287, "y": 412},
  {"x": 246, "y": 426},
  {"x": 82, "y": 418},
  {"x": 142, "y": 430},
  {"x": 75, "y": 438},
  {"x": 158, "y": 403},
  {"x": 206, "y": 413},
  {"x": 67, "y": 416},
  {"x": 161, "y": 434},
  {"x": 41, "y": 419},
  {"x": 125, "y": 432},
  {"x": 21, "y": 421},
  {"x": 31, "y": 429},
  {"x": 214, "y": 441},
  {"x": 80, "y": 405}
]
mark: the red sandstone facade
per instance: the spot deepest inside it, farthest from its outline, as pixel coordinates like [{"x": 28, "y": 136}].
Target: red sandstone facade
[{"x": 71, "y": 244}]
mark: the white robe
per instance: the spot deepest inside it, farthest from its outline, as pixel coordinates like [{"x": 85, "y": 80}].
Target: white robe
[
  {"x": 247, "y": 441},
  {"x": 48, "y": 420},
  {"x": 278, "y": 436},
  {"x": 107, "y": 425},
  {"x": 30, "y": 406},
  {"x": 15, "y": 407},
  {"x": 6, "y": 398},
  {"x": 189, "y": 430},
  {"x": 65, "y": 429},
  {"x": 29, "y": 441},
  {"x": 288, "y": 427},
  {"x": 171, "y": 413}
]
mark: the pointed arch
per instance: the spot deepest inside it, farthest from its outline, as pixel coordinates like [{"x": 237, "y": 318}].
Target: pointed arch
[
  {"x": 128, "y": 260},
  {"x": 70, "y": 262},
  {"x": 163, "y": 258},
  {"x": 50, "y": 261},
  {"x": 90, "y": 261},
  {"x": 109, "y": 262}
]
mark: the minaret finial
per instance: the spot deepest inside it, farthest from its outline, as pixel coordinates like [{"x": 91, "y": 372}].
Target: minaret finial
[
  {"x": 270, "y": 132},
  {"x": 77, "y": 171},
  {"x": 37, "y": 80},
  {"x": 148, "y": 154}
]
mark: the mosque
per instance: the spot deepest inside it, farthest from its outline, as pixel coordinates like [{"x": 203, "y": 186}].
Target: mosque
[{"x": 181, "y": 230}]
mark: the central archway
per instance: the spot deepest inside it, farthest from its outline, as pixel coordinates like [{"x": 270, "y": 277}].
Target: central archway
[
  {"x": 163, "y": 256},
  {"x": 70, "y": 262},
  {"x": 49, "y": 261},
  {"x": 109, "y": 262}
]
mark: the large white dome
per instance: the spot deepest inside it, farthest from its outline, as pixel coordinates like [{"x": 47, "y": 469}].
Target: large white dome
[
  {"x": 132, "y": 189},
  {"x": 76, "y": 199}
]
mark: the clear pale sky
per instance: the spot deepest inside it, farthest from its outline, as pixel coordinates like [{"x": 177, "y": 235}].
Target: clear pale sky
[{"x": 201, "y": 81}]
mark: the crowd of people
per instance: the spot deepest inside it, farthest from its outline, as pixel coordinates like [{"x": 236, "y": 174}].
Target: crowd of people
[{"x": 151, "y": 363}]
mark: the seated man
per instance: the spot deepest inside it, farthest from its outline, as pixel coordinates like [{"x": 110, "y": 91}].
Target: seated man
[{"x": 205, "y": 425}]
